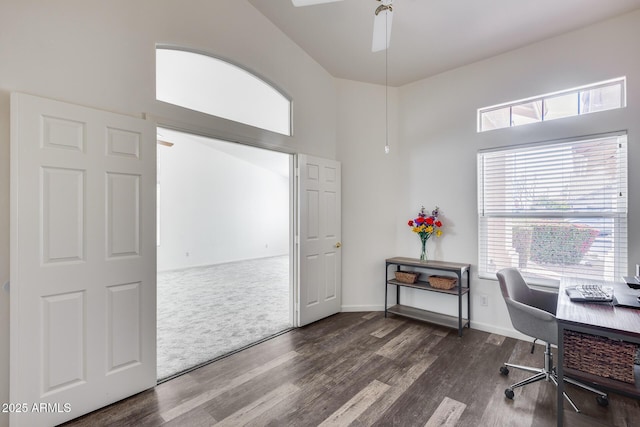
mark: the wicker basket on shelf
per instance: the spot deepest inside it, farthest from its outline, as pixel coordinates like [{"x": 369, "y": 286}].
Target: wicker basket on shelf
[
  {"x": 442, "y": 282},
  {"x": 600, "y": 356},
  {"x": 407, "y": 276}
]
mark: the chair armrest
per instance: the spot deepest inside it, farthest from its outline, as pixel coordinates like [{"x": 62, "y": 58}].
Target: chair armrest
[
  {"x": 533, "y": 321},
  {"x": 544, "y": 300}
]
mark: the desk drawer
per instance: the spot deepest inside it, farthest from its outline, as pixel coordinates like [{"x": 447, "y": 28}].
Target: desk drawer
[{"x": 599, "y": 356}]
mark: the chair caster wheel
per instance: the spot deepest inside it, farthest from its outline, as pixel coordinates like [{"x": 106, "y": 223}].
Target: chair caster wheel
[
  {"x": 509, "y": 393},
  {"x": 504, "y": 370},
  {"x": 602, "y": 400}
]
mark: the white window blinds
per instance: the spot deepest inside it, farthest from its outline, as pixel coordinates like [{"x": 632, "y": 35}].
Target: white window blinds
[{"x": 555, "y": 209}]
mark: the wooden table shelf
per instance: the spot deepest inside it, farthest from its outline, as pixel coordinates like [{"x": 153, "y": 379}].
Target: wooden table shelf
[
  {"x": 427, "y": 287},
  {"x": 426, "y": 316},
  {"x": 460, "y": 290}
]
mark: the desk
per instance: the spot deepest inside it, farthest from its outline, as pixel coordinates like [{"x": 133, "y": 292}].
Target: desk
[{"x": 615, "y": 323}]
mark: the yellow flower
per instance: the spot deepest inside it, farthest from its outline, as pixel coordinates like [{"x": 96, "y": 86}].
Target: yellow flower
[
  {"x": 438, "y": 233},
  {"x": 429, "y": 229},
  {"x": 415, "y": 230}
]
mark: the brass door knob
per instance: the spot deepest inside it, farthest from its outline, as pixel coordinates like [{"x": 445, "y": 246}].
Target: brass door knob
[{"x": 338, "y": 245}]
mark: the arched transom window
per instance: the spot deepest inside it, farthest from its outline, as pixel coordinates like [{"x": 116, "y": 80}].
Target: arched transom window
[{"x": 213, "y": 86}]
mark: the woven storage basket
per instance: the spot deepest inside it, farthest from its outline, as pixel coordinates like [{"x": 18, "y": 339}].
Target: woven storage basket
[
  {"x": 599, "y": 356},
  {"x": 407, "y": 276},
  {"x": 442, "y": 282}
]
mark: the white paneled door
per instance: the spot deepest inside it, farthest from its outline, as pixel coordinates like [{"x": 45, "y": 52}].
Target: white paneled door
[
  {"x": 83, "y": 259},
  {"x": 319, "y": 234}
]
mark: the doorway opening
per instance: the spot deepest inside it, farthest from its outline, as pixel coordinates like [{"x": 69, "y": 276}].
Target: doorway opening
[{"x": 224, "y": 258}]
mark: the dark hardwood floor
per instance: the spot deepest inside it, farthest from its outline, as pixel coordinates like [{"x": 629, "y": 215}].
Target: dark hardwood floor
[{"x": 361, "y": 369}]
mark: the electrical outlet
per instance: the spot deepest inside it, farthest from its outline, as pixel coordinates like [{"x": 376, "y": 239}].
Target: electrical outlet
[{"x": 484, "y": 300}]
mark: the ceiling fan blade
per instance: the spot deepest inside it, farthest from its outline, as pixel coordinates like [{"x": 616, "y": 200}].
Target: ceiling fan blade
[
  {"x": 310, "y": 2},
  {"x": 382, "y": 28}
]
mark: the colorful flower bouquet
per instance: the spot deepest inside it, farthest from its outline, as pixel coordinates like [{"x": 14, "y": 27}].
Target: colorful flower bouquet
[{"x": 426, "y": 225}]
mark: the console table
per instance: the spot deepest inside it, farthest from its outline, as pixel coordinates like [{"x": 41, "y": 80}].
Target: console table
[
  {"x": 615, "y": 323},
  {"x": 460, "y": 290}
]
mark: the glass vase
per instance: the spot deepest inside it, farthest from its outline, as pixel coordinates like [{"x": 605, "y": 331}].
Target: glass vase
[{"x": 423, "y": 251}]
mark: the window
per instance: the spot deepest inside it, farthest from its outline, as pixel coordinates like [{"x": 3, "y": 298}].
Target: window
[
  {"x": 213, "y": 86},
  {"x": 572, "y": 102},
  {"x": 555, "y": 209}
]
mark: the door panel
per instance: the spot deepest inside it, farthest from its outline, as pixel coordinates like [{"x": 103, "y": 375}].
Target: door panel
[
  {"x": 83, "y": 258},
  {"x": 63, "y": 341},
  {"x": 320, "y": 290},
  {"x": 63, "y": 201}
]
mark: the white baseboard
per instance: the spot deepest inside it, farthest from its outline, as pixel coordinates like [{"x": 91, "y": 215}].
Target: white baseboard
[{"x": 356, "y": 308}]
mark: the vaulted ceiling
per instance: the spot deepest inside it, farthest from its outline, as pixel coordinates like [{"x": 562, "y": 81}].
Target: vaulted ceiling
[{"x": 428, "y": 36}]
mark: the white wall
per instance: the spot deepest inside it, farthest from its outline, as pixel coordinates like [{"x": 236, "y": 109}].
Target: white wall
[
  {"x": 371, "y": 190},
  {"x": 217, "y": 207},
  {"x": 437, "y": 155},
  {"x": 101, "y": 54}
]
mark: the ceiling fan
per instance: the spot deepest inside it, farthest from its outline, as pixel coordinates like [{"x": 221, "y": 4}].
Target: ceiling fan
[{"x": 381, "y": 21}]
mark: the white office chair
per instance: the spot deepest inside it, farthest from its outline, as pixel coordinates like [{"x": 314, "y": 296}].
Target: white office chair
[{"x": 532, "y": 312}]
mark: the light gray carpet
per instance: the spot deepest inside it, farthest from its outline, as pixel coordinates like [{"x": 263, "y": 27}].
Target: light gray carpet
[{"x": 206, "y": 312}]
